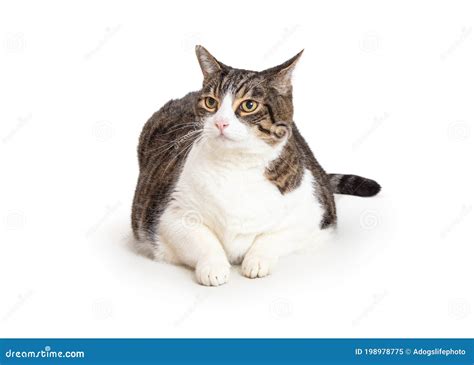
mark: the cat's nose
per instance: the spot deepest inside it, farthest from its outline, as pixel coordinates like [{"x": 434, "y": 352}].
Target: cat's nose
[{"x": 221, "y": 124}]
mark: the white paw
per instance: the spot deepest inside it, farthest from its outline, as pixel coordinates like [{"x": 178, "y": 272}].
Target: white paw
[
  {"x": 212, "y": 273},
  {"x": 257, "y": 266}
]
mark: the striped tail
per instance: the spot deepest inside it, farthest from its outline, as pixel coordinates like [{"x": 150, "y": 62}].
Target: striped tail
[{"x": 353, "y": 185}]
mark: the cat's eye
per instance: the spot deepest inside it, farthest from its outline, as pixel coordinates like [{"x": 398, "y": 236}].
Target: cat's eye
[
  {"x": 210, "y": 103},
  {"x": 248, "y": 106}
]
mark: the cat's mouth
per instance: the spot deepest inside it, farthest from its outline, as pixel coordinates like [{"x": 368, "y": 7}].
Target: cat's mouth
[{"x": 224, "y": 137}]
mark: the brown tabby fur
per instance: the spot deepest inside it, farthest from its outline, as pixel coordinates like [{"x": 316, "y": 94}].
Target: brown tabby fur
[{"x": 170, "y": 133}]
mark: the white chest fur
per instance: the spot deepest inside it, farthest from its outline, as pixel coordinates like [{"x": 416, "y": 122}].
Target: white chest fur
[{"x": 234, "y": 199}]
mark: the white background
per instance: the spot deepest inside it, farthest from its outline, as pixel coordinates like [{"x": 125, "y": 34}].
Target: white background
[{"x": 384, "y": 90}]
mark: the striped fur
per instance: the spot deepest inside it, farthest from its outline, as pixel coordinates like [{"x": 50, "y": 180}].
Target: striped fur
[
  {"x": 179, "y": 132},
  {"x": 353, "y": 185}
]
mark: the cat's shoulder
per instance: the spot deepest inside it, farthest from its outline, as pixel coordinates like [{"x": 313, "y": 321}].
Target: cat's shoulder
[
  {"x": 173, "y": 120},
  {"x": 176, "y": 109},
  {"x": 170, "y": 114}
]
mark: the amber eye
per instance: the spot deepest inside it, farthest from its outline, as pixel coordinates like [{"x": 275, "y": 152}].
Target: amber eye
[
  {"x": 248, "y": 106},
  {"x": 211, "y": 103}
]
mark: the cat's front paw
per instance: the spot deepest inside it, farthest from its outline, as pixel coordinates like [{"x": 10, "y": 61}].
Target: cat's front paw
[
  {"x": 255, "y": 266},
  {"x": 211, "y": 273}
]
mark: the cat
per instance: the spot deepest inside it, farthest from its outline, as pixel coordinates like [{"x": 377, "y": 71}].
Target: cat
[{"x": 226, "y": 177}]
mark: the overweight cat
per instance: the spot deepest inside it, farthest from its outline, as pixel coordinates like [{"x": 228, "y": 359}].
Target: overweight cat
[{"x": 226, "y": 177}]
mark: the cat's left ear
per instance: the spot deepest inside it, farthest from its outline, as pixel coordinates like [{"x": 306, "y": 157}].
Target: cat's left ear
[
  {"x": 280, "y": 76},
  {"x": 209, "y": 65}
]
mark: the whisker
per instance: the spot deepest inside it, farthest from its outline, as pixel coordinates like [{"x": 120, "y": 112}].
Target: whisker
[
  {"x": 172, "y": 144},
  {"x": 188, "y": 147},
  {"x": 177, "y": 127}
]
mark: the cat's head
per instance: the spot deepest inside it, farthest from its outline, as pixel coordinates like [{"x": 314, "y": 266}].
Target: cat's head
[{"x": 245, "y": 110}]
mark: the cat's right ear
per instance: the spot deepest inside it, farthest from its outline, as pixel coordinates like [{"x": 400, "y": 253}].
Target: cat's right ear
[{"x": 209, "y": 65}]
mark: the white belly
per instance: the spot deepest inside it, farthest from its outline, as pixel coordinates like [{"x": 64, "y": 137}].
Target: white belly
[{"x": 238, "y": 203}]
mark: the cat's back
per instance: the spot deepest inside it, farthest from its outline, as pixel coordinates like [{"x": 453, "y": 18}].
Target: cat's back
[
  {"x": 322, "y": 191},
  {"x": 169, "y": 124},
  {"x": 164, "y": 141}
]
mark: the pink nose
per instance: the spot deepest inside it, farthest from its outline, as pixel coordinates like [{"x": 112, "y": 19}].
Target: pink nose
[{"x": 221, "y": 125}]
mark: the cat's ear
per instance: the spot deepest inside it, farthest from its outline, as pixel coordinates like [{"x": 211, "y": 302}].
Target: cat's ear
[
  {"x": 209, "y": 65},
  {"x": 280, "y": 76}
]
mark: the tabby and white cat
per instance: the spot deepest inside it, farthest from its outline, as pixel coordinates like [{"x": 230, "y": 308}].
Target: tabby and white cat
[{"x": 226, "y": 177}]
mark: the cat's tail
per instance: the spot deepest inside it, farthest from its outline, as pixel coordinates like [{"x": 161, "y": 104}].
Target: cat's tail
[{"x": 353, "y": 185}]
